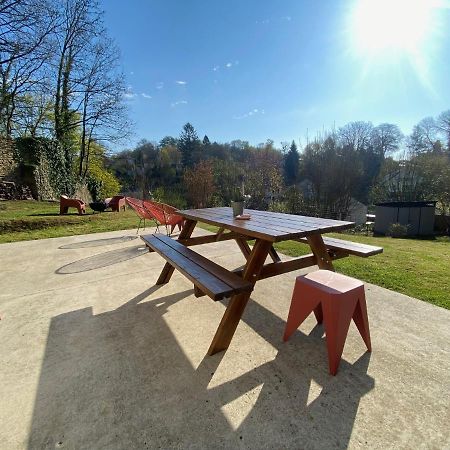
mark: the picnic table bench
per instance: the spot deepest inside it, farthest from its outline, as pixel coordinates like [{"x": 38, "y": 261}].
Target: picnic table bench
[
  {"x": 344, "y": 247},
  {"x": 265, "y": 228},
  {"x": 207, "y": 276}
]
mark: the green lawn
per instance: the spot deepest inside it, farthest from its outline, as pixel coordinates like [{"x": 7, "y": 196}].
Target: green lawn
[
  {"x": 419, "y": 268},
  {"x": 25, "y": 220}
]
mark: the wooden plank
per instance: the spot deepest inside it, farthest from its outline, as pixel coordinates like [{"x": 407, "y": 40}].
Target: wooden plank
[
  {"x": 283, "y": 226},
  {"x": 254, "y": 229},
  {"x": 218, "y": 271},
  {"x": 208, "y": 239},
  {"x": 209, "y": 284},
  {"x": 211, "y": 278},
  {"x": 270, "y": 217},
  {"x": 352, "y": 248},
  {"x": 294, "y": 218},
  {"x": 274, "y": 224}
]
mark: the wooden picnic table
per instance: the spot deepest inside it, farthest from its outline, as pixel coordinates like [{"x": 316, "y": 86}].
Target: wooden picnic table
[{"x": 265, "y": 228}]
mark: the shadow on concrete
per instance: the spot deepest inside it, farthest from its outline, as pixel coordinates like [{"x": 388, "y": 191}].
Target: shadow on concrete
[
  {"x": 102, "y": 260},
  {"x": 99, "y": 242},
  {"x": 120, "y": 379}
]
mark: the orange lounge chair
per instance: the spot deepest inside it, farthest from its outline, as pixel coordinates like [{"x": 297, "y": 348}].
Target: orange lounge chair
[
  {"x": 165, "y": 214},
  {"x": 65, "y": 203},
  {"x": 142, "y": 212},
  {"x": 117, "y": 202}
]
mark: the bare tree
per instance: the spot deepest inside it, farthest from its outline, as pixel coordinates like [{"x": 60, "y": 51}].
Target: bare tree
[
  {"x": 386, "y": 138},
  {"x": 89, "y": 87},
  {"x": 103, "y": 115},
  {"x": 443, "y": 124},
  {"x": 356, "y": 135},
  {"x": 80, "y": 24},
  {"x": 25, "y": 25},
  {"x": 26, "y": 28},
  {"x": 424, "y": 136}
]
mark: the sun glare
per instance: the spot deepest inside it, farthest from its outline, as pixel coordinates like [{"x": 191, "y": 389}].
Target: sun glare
[{"x": 380, "y": 26}]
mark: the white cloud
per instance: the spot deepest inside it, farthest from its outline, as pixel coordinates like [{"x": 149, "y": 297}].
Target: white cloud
[
  {"x": 216, "y": 68},
  {"x": 146, "y": 95},
  {"x": 131, "y": 73},
  {"x": 251, "y": 113},
  {"x": 288, "y": 18},
  {"x": 229, "y": 65},
  {"x": 181, "y": 82},
  {"x": 159, "y": 85},
  {"x": 179, "y": 102}
]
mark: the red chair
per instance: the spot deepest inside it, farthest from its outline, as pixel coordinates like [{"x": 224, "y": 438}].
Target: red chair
[
  {"x": 142, "y": 212},
  {"x": 335, "y": 299},
  {"x": 65, "y": 203},
  {"x": 117, "y": 202},
  {"x": 165, "y": 214}
]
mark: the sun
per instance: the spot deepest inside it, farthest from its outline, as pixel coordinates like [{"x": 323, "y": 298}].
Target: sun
[{"x": 383, "y": 26}]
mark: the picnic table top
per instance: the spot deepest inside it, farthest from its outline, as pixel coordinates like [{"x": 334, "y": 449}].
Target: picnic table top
[{"x": 267, "y": 225}]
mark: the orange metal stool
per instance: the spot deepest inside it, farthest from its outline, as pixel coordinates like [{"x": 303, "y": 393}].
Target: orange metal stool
[{"x": 335, "y": 299}]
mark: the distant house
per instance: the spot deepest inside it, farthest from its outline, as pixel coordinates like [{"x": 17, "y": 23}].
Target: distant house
[{"x": 357, "y": 212}]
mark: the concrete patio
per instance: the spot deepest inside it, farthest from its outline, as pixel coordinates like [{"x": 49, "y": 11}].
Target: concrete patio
[{"x": 94, "y": 356}]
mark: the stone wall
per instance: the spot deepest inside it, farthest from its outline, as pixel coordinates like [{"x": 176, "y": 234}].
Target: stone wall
[
  {"x": 22, "y": 181},
  {"x": 8, "y": 166}
]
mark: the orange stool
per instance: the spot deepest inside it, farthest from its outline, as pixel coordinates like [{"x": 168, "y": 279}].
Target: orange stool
[{"x": 335, "y": 299}]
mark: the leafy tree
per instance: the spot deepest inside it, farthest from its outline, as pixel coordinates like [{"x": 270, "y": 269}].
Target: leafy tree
[
  {"x": 199, "y": 183},
  {"x": 108, "y": 184},
  {"x": 168, "y": 141},
  {"x": 263, "y": 176},
  {"x": 189, "y": 146},
  {"x": 334, "y": 172},
  {"x": 291, "y": 165},
  {"x": 206, "y": 141},
  {"x": 228, "y": 175}
]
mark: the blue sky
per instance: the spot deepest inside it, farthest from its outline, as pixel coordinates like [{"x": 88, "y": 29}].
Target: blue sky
[{"x": 281, "y": 70}]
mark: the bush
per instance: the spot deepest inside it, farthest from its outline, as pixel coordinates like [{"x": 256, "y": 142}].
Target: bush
[
  {"x": 397, "y": 230},
  {"x": 103, "y": 183}
]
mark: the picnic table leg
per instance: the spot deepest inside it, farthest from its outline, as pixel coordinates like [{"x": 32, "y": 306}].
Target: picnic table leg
[
  {"x": 319, "y": 249},
  {"x": 185, "y": 233},
  {"x": 246, "y": 250},
  {"x": 237, "y": 304},
  {"x": 274, "y": 255}
]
